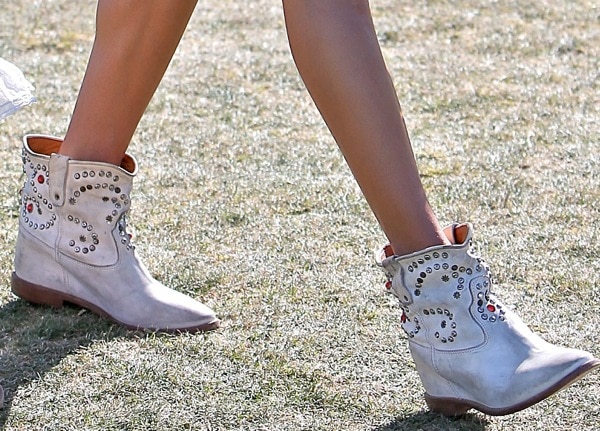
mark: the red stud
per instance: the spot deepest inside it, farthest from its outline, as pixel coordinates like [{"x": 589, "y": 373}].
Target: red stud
[
  {"x": 29, "y": 207},
  {"x": 40, "y": 179},
  {"x": 491, "y": 308},
  {"x": 403, "y": 318},
  {"x": 388, "y": 285}
]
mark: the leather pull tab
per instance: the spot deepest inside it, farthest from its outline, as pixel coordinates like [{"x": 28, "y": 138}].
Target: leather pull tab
[
  {"x": 399, "y": 287},
  {"x": 58, "y": 177}
]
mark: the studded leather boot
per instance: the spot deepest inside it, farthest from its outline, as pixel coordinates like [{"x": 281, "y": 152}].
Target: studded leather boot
[
  {"x": 73, "y": 245},
  {"x": 470, "y": 350}
]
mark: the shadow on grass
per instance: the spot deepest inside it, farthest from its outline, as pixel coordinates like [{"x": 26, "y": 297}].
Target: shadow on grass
[
  {"x": 427, "y": 421},
  {"x": 34, "y": 339}
]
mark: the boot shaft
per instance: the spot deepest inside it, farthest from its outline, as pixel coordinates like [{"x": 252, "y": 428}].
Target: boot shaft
[
  {"x": 445, "y": 293},
  {"x": 79, "y": 207}
]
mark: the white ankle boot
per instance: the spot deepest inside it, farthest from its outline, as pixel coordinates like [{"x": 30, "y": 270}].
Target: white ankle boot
[
  {"x": 73, "y": 245},
  {"x": 470, "y": 350}
]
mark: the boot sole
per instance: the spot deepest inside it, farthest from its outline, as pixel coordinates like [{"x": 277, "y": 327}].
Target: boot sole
[
  {"x": 458, "y": 406},
  {"x": 41, "y": 295}
]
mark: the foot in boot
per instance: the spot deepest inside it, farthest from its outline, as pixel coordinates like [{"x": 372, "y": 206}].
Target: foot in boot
[
  {"x": 73, "y": 245},
  {"x": 470, "y": 350}
]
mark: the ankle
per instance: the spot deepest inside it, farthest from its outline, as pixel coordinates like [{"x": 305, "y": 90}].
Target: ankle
[
  {"x": 91, "y": 151},
  {"x": 404, "y": 246}
]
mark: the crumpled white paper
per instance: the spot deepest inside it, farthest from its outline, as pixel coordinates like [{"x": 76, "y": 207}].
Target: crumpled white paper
[{"x": 15, "y": 89}]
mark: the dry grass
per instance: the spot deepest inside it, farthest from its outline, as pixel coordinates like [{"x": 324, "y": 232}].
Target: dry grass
[{"x": 265, "y": 223}]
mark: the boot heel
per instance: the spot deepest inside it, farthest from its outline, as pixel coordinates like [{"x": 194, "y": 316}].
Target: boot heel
[
  {"x": 446, "y": 406},
  {"x": 35, "y": 294}
]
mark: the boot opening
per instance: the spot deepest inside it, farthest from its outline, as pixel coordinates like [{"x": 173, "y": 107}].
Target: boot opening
[
  {"x": 461, "y": 232},
  {"x": 47, "y": 145},
  {"x": 44, "y": 145}
]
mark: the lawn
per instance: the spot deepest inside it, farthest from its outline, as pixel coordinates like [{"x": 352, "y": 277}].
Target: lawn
[{"x": 244, "y": 202}]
